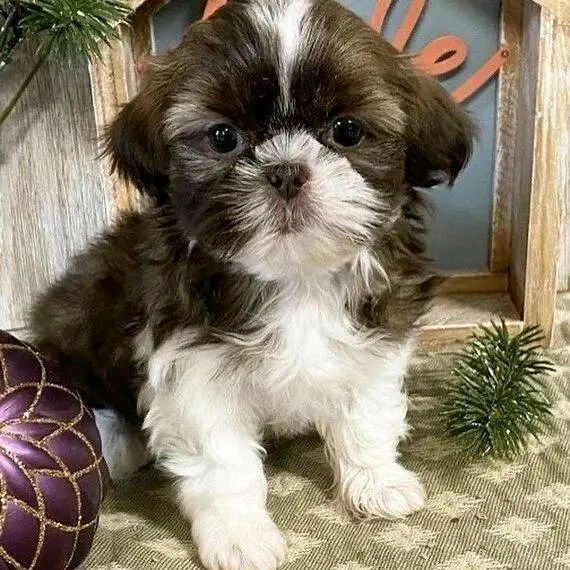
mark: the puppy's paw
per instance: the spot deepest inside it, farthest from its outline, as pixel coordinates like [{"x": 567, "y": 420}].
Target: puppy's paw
[
  {"x": 123, "y": 446},
  {"x": 227, "y": 540},
  {"x": 390, "y": 492}
]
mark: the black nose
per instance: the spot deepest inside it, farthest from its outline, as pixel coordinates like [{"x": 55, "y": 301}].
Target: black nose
[{"x": 288, "y": 179}]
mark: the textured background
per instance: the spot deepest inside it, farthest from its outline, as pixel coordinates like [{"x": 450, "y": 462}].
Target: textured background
[
  {"x": 53, "y": 195},
  {"x": 481, "y": 515}
]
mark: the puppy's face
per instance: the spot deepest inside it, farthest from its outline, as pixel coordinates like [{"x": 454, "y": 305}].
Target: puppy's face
[{"x": 285, "y": 134}]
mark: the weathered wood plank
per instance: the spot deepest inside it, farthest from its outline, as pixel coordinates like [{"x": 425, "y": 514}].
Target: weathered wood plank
[
  {"x": 505, "y": 161},
  {"x": 453, "y": 318},
  {"x": 474, "y": 282},
  {"x": 550, "y": 173},
  {"x": 523, "y": 151},
  {"x": 564, "y": 256},
  {"x": 53, "y": 198},
  {"x": 559, "y": 8},
  {"x": 112, "y": 86}
]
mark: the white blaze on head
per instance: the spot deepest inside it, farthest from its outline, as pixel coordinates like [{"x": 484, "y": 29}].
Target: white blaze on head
[{"x": 286, "y": 22}]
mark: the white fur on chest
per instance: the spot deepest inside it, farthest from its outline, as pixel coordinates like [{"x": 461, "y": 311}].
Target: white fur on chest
[
  {"x": 314, "y": 360},
  {"x": 206, "y": 408},
  {"x": 305, "y": 362}
]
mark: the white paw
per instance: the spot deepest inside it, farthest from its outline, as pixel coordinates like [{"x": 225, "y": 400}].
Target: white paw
[
  {"x": 123, "y": 445},
  {"x": 390, "y": 492},
  {"x": 227, "y": 540}
]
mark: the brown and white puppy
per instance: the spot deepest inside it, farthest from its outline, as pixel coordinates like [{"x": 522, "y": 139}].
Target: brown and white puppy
[{"x": 274, "y": 284}]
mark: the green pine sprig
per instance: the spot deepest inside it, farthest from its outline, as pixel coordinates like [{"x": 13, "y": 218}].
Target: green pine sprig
[
  {"x": 10, "y": 33},
  {"x": 497, "y": 399},
  {"x": 60, "y": 28},
  {"x": 73, "y": 27}
]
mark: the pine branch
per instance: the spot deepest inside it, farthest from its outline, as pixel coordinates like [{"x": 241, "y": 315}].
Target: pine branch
[
  {"x": 13, "y": 102},
  {"x": 75, "y": 27},
  {"x": 10, "y": 34},
  {"x": 61, "y": 28},
  {"x": 497, "y": 398}
]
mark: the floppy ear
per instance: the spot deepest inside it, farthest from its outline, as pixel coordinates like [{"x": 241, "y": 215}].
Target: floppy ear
[
  {"x": 135, "y": 141},
  {"x": 439, "y": 133}
]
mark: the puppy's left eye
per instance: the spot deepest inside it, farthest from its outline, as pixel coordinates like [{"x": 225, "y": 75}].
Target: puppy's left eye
[
  {"x": 223, "y": 138},
  {"x": 347, "y": 132}
]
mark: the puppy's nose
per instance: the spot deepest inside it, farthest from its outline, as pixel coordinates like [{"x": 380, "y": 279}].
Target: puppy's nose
[{"x": 288, "y": 179}]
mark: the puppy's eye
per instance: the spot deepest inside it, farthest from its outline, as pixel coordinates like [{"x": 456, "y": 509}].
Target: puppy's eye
[
  {"x": 347, "y": 132},
  {"x": 223, "y": 138}
]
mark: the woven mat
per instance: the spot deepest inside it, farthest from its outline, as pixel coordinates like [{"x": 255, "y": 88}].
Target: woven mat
[{"x": 481, "y": 515}]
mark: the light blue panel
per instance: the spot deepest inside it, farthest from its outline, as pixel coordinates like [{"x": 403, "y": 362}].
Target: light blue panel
[
  {"x": 460, "y": 228},
  {"x": 459, "y": 231},
  {"x": 170, "y": 23}
]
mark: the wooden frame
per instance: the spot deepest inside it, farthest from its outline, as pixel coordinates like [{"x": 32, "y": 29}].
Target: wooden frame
[{"x": 531, "y": 175}]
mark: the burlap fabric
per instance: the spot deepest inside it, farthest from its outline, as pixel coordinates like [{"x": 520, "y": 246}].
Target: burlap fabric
[{"x": 481, "y": 515}]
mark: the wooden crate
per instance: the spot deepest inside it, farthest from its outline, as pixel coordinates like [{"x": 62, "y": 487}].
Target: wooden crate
[{"x": 531, "y": 173}]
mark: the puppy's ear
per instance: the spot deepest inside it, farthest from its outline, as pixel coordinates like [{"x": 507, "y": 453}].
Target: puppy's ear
[
  {"x": 135, "y": 140},
  {"x": 439, "y": 133}
]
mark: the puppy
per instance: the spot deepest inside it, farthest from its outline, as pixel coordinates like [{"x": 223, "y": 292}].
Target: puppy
[{"x": 273, "y": 284}]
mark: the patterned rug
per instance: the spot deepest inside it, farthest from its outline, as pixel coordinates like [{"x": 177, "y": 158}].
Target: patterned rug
[{"x": 481, "y": 515}]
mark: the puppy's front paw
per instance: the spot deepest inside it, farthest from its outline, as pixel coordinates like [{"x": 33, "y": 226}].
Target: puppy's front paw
[
  {"x": 390, "y": 492},
  {"x": 228, "y": 540}
]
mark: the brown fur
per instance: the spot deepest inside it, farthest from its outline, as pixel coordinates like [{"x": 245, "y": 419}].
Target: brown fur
[{"x": 142, "y": 272}]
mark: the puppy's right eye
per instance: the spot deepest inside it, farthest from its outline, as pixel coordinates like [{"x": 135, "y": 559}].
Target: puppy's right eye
[
  {"x": 223, "y": 138},
  {"x": 347, "y": 132}
]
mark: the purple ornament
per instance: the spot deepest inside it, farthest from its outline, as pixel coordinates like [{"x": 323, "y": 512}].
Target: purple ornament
[{"x": 52, "y": 475}]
